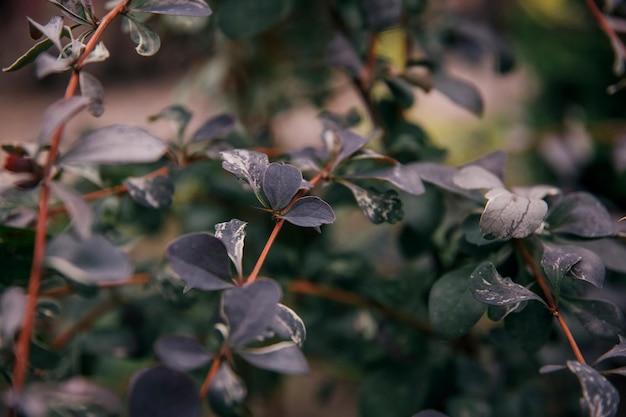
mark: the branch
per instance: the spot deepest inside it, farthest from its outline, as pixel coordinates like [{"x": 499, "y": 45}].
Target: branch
[
  {"x": 605, "y": 25},
  {"x": 68, "y": 289},
  {"x": 206, "y": 385}
]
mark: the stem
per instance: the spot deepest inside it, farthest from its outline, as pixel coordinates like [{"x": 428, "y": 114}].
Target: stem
[
  {"x": 552, "y": 305},
  {"x": 22, "y": 348},
  {"x": 616, "y": 41},
  {"x": 266, "y": 250},
  {"x": 206, "y": 385},
  {"x": 68, "y": 289}
]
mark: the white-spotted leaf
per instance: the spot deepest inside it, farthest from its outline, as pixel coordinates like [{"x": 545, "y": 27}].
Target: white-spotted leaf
[
  {"x": 283, "y": 357},
  {"x": 156, "y": 192},
  {"x": 489, "y": 287},
  {"x": 288, "y": 325},
  {"x": 600, "y": 398},
  {"x": 232, "y": 233},
  {"x": 507, "y": 215},
  {"x": 247, "y": 165},
  {"x": 378, "y": 206}
]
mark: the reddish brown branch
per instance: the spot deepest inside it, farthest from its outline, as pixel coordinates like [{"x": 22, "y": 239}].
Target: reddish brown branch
[
  {"x": 206, "y": 385},
  {"x": 605, "y": 25},
  {"x": 68, "y": 289}
]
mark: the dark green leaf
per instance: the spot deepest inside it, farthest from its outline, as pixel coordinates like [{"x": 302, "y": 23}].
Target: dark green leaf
[
  {"x": 250, "y": 310},
  {"x": 581, "y": 214},
  {"x": 29, "y": 56},
  {"x": 617, "y": 351},
  {"x": 490, "y": 288},
  {"x": 12, "y": 307},
  {"x": 283, "y": 357},
  {"x": 382, "y": 14},
  {"x": 600, "y": 398},
  {"x": 232, "y": 234},
  {"x": 181, "y": 352},
  {"x": 147, "y": 40},
  {"x": 530, "y": 327},
  {"x": 59, "y": 113},
  {"x": 201, "y": 260},
  {"x": 156, "y": 192},
  {"x": 227, "y": 392},
  {"x": 601, "y": 318},
  {"x": 452, "y": 308},
  {"x": 78, "y": 209},
  {"x": 91, "y": 88},
  {"x": 172, "y": 7},
  {"x": 508, "y": 215},
  {"x": 309, "y": 212},
  {"x": 281, "y": 182},
  {"x": 115, "y": 144},
  {"x": 288, "y": 325},
  {"x": 87, "y": 260},
  {"x": 246, "y": 165},
  {"x": 459, "y": 91},
  {"x": 217, "y": 127},
  {"x": 163, "y": 392},
  {"x": 401, "y": 91},
  {"x": 246, "y": 18}
]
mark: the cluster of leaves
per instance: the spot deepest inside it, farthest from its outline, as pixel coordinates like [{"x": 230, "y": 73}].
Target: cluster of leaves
[{"x": 462, "y": 231}]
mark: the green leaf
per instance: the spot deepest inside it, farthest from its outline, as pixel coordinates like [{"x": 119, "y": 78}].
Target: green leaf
[
  {"x": 601, "y": 318},
  {"x": 29, "y": 56},
  {"x": 240, "y": 19},
  {"x": 600, "y": 398},
  {"x": 401, "y": 91},
  {"x": 530, "y": 327},
  {"x": 195, "y": 8},
  {"x": 452, "y": 308},
  {"x": 147, "y": 40}
]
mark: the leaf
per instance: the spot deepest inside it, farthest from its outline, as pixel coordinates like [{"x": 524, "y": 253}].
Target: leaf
[
  {"x": 460, "y": 92},
  {"x": 382, "y": 14},
  {"x": 507, "y": 215},
  {"x": 87, "y": 260},
  {"x": 309, "y": 212},
  {"x": 156, "y": 192},
  {"x": 341, "y": 54},
  {"x": 601, "y": 318},
  {"x": 402, "y": 176},
  {"x": 430, "y": 413},
  {"x": 78, "y": 209},
  {"x": 46, "y": 64},
  {"x": 147, "y": 40},
  {"x": 246, "y": 165},
  {"x": 29, "y": 56},
  {"x": 241, "y": 19},
  {"x": 177, "y": 114},
  {"x": 250, "y": 310},
  {"x": 58, "y": 114},
  {"x": 573, "y": 261},
  {"x": 474, "y": 177},
  {"x": 227, "y": 391},
  {"x": 91, "y": 88},
  {"x": 163, "y": 392},
  {"x": 201, "y": 260},
  {"x": 51, "y": 30},
  {"x": 600, "y": 398},
  {"x": 216, "y": 127},
  {"x": 232, "y": 234},
  {"x": 612, "y": 252},
  {"x": 617, "y": 351},
  {"x": 281, "y": 182},
  {"x": 283, "y": 357},
  {"x": 288, "y": 325},
  {"x": 378, "y": 206},
  {"x": 531, "y": 327},
  {"x": 452, "y": 309},
  {"x": 350, "y": 143},
  {"x": 401, "y": 91},
  {"x": 99, "y": 54},
  {"x": 489, "y": 287},
  {"x": 115, "y": 144},
  {"x": 172, "y": 7},
  {"x": 181, "y": 352},
  {"x": 12, "y": 308},
  {"x": 580, "y": 214},
  {"x": 76, "y": 11}
]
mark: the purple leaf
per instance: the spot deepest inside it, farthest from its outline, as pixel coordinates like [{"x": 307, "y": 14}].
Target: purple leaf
[
  {"x": 247, "y": 165},
  {"x": 195, "y": 8},
  {"x": 288, "y": 325},
  {"x": 378, "y": 206},
  {"x": 309, "y": 212},
  {"x": 227, "y": 390},
  {"x": 216, "y": 127},
  {"x": 601, "y": 318},
  {"x": 474, "y": 177},
  {"x": 12, "y": 308},
  {"x": 430, "y": 413},
  {"x": 463, "y": 93},
  {"x": 92, "y": 88},
  {"x": 350, "y": 143},
  {"x": 59, "y": 113},
  {"x": 156, "y": 192},
  {"x": 232, "y": 234},
  {"x": 489, "y": 287},
  {"x": 617, "y": 351},
  {"x": 581, "y": 214},
  {"x": 201, "y": 260},
  {"x": 250, "y": 310},
  {"x": 181, "y": 352},
  {"x": 600, "y": 398},
  {"x": 115, "y": 144},
  {"x": 284, "y": 357},
  {"x": 46, "y": 64},
  {"x": 507, "y": 215},
  {"x": 280, "y": 183},
  {"x": 341, "y": 54},
  {"x": 382, "y": 14},
  {"x": 402, "y": 176},
  {"x": 79, "y": 211}
]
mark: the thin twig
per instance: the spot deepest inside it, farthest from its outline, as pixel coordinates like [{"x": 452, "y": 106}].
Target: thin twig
[
  {"x": 268, "y": 245},
  {"x": 68, "y": 289},
  {"x": 616, "y": 41},
  {"x": 206, "y": 385}
]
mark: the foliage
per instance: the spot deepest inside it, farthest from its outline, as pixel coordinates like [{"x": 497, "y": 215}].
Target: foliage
[{"x": 451, "y": 311}]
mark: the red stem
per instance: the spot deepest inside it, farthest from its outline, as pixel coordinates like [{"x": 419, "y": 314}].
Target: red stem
[
  {"x": 616, "y": 41},
  {"x": 206, "y": 385},
  {"x": 266, "y": 250}
]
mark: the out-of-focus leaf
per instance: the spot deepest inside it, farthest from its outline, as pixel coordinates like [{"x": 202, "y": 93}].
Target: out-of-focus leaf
[
  {"x": 489, "y": 287},
  {"x": 600, "y": 398},
  {"x": 156, "y": 192},
  {"x": 59, "y": 113},
  {"x": 87, "y": 260},
  {"x": 46, "y": 64},
  {"x": 280, "y": 183},
  {"x": 99, "y": 54},
  {"x": 581, "y": 214},
  {"x": 233, "y": 233},
  {"x": 601, "y": 318},
  {"x": 611, "y": 251},
  {"x": 29, "y": 56},
  {"x": 181, "y": 352},
  {"x": 213, "y": 128},
  {"x": 508, "y": 215},
  {"x": 430, "y": 413},
  {"x": 115, "y": 144},
  {"x": 382, "y": 14},
  {"x": 461, "y": 92},
  {"x": 227, "y": 392},
  {"x": 172, "y": 7},
  {"x": 177, "y": 114},
  {"x": 78, "y": 209},
  {"x": 51, "y": 30},
  {"x": 341, "y": 54},
  {"x": 474, "y": 177},
  {"x": 147, "y": 40},
  {"x": 378, "y": 206},
  {"x": 350, "y": 143},
  {"x": 288, "y": 325},
  {"x": 163, "y": 392},
  {"x": 283, "y": 357},
  {"x": 617, "y": 351},
  {"x": 402, "y": 176},
  {"x": 401, "y": 91},
  {"x": 452, "y": 308},
  {"x": 250, "y": 310},
  {"x": 12, "y": 307},
  {"x": 531, "y": 327},
  {"x": 79, "y": 11},
  {"x": 201, "y": 260},
  {"x": 240, "y": 19},
  {"x": 92, "y": 88},
  {"x": 246, "y": 165},
  {"x": 309, "y": 212}
]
